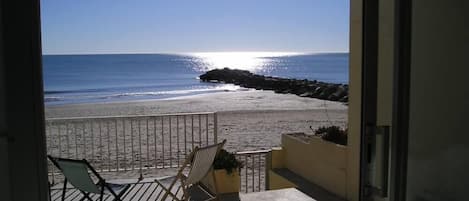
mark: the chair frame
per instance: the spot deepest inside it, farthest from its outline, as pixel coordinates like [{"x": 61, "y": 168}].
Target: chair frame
[
  {"x": 180, "y": 176},
  {"x": 101, "y": 181}
]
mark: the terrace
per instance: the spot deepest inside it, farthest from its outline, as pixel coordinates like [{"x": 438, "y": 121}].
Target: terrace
[{"x": 128, "y": 148}]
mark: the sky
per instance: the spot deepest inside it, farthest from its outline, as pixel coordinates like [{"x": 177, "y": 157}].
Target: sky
[{"x": 185, "y": 26}]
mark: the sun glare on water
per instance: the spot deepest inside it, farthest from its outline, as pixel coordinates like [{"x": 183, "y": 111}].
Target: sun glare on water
[{"x": 252, "y": 61}]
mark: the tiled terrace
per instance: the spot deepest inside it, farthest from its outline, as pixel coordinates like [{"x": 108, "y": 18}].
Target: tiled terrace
[{"x": 149, "y": 190}]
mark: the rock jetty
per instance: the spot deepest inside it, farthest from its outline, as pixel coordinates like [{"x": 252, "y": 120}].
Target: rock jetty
[{"x": 303, "y": 88}]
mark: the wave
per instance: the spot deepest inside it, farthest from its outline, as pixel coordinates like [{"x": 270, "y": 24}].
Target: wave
[
  {"x": 53, "y": 99},
  {"x": 138, "y": 95},
  {"x": 71, "y": 91},
  {"x": 113, "y": 89},
  {"x": 176, "y": 92}
]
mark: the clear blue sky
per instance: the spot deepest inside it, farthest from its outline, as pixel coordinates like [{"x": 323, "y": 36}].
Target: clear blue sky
[{"x": 179, "y": 26}]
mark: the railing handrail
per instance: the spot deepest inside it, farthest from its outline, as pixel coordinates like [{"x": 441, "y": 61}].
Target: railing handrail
[
  {"x": 128, "y": 116},
  {"x": 254, "y": 152}
]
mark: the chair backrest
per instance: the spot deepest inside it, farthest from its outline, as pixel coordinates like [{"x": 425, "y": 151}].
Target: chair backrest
[
  {"x": 76, "y": 172},
  {"x": 202, "y": 162}
]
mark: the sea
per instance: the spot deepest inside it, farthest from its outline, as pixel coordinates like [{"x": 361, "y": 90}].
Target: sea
[{"x": 72, "y": 79}]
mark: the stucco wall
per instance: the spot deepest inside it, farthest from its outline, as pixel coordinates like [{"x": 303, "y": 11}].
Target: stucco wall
[{"x": 320, "y": 162}]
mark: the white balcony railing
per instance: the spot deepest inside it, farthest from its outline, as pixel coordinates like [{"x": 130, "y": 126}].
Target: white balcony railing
[
  {"x": 253, "y": 174},
  {"x": 122, "y": 143},
  {"x": 141, "y": 142}
]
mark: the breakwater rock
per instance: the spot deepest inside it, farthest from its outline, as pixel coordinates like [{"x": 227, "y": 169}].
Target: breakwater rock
[{"x": 303, "y": 88}]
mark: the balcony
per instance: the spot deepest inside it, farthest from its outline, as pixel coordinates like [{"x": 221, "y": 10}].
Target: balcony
[{"x": 127, "y": 148}]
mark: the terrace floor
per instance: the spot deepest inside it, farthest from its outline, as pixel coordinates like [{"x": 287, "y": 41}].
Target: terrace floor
[{"x": 147, "y": 189}]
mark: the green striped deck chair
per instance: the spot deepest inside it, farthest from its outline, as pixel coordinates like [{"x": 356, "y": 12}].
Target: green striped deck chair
[
  {"x": 200, "y": 162},
  {"x": 77, "y": 173}
]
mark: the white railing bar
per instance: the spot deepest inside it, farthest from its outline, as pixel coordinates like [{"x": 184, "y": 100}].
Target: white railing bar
[
  {"x": 108, "y": 145},
  {"x": 76, "y": 143},
  {"x": 206, "y": 129},
  {"x": 185, "y": 136},
  {"x": 177, "y": 139},
  {"x": 253, "y": 172},
  {"x": 192, "y": 132},
  {"x": 126, "y": 116},
  {"x": 170, "y": 143},
  {"x": 100, "y": 142},
  {"x": 246, "y": 172},
  {"x": 68, "y": 139},
  {"x": 83, "y": 139},
  {"x": 132, "y": 142},
  {"x": 148, "y": 144},
  {"x": 162, "y": 140},
  {"x": 92, "y": 139},
  {"x": 155, "y": 143},
  {"x": 125, "y": 148},
  {"x": 117, "y": 143},
  {"x": 215, "y": 128},
  {"x": 259, "y": 178},
  {"x": 60, "y": 141},
  {"x": 140, "y": 147},
  {"x": 200, "y": 131},
  {"x": 253, "y": 152}
]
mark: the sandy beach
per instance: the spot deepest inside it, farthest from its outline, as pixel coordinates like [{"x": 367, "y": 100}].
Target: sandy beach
[{"x": 249, "y": 120}]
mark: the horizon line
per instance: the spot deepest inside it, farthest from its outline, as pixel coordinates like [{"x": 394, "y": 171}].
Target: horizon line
[{"x": 191, "y": 53}]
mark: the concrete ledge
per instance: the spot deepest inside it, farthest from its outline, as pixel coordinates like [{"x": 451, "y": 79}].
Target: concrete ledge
[{"x": 316, "y": 192}]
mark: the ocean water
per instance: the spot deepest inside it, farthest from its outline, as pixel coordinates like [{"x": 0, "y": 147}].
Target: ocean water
[{"x": 70, "y": 79}]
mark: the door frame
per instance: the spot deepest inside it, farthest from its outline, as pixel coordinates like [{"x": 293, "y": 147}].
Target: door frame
[
  {"x": 401, "y": 82},
  {"x": 370, "y": 19},
  {"x": 401, "y": 87},
  {"x": 23, "y": 101}
]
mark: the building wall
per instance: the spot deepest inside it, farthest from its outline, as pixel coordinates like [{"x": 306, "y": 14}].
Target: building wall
[
  {"x": 354, "y": 112},
  {"x": 438, "y": 137},
  {"x": 325, "y": 166}
]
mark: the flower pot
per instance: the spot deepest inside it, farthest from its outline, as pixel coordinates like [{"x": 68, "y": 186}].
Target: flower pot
[{"x": 226, "y": 183}]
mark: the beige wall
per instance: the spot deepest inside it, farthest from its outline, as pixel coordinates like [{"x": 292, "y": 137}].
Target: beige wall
[
  {"x": 354, "y": 112},
  {"x": 438, "y": 135},
  {"x": 325, "y": 164},
  {"x": 278, "y": 182}
]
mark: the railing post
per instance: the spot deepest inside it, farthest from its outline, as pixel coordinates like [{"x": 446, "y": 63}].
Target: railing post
[
  {"x": 268, "y": 167},
  {"x": 215, "y": 128}
]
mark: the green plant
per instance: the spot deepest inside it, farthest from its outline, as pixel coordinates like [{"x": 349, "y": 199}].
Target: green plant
[
  {"x": 333, "y": 134},
  {"x": 226, "y": 160}
]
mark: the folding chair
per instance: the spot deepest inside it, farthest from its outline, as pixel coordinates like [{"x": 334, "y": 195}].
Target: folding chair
[
  {"x": 76, "y": 172},
  {"x": 200, "y": 162}
]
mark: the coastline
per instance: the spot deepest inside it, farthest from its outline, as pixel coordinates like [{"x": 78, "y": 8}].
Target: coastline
[{"x": 249, "y": 100}]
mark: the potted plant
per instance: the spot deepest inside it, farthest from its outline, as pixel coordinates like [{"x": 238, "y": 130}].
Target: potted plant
[
  {"x": 226, "y": 172},
  {"x": 333, "y": 134}
]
